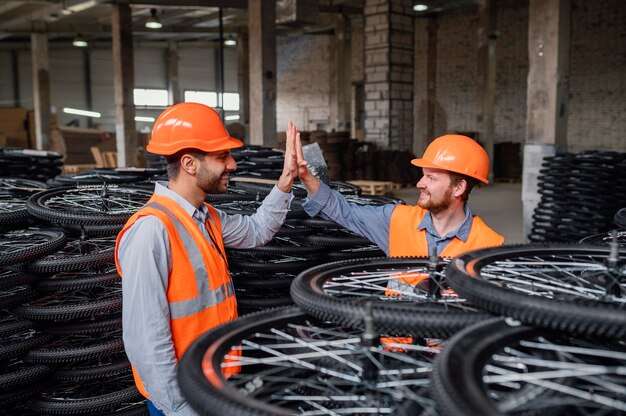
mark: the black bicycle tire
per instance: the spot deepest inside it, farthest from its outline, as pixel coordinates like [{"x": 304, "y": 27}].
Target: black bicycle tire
[
  {"x": 94, "y": 370},
  {"x": 273, "y": 250},
  {"x": 12, "y": 297},
  {"x": 17, "y": 347},
  {"x": 85, "y": 406},
  {"x": 72, "y": 281},
  {"x": 22, "y": 375},
  {"x": 287, "y": 267},
  {"x": 335, "y": 241},
  {"x": 9, "y": 279},
  {"x": 219, "y": 399},
  {"x": 73, "y": 354},
  {"x": 58, "y": 262},
  {"x": 11, "y": 324},
  {"x": 90, "y": 307},
  {"x": 55, "y": 241},
  {"x": 388, "y": 317},
  {"x": 458, "y": 371},
  {"x": 22, "y": 393},
  {"x": 87, "y": 326},
  {"x": 590, "y": 318},
  {"x": 263, "y": 303}
]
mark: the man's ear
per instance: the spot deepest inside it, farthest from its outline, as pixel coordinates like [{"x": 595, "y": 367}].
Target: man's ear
[
  {"x": 188, "y": 164},
  {"x": 460, "y": 188}
]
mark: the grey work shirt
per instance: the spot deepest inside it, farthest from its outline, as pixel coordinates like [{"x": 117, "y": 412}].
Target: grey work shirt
[
  {"x": 373, "y": 222},
  {"x": 145, "y": 259}
]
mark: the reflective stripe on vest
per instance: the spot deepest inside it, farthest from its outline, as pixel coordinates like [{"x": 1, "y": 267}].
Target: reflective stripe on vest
[{"x": 206, "y": 297}]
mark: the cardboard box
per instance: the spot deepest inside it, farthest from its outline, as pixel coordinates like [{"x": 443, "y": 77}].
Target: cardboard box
[{"x": 14, "y": 127}]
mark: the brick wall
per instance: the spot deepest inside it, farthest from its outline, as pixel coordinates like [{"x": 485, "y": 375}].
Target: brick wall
[
  {"x": 597, "y": 118},
  {"x": 303, "y": 81}
]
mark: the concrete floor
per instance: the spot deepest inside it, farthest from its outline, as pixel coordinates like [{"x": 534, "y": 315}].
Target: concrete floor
[{"x": 498, "y": 204}]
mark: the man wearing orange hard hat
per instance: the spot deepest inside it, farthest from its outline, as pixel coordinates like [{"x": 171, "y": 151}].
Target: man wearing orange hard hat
[
  {"x": 441, "y": 222},
  {"x": 175, "y": 279}
]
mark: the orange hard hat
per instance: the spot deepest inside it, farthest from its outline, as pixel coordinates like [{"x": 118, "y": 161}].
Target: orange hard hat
[
  {"x": 458, "y": 154},
  {"x": 189, "y": 126}
]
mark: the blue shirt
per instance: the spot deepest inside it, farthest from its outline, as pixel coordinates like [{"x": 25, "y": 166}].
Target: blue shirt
[
  {"x": 145, "y": 258},
  {"x": 373, "y": 222}
]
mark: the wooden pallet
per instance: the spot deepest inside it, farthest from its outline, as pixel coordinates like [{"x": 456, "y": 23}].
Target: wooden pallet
[{"x": 375, "y": 187}]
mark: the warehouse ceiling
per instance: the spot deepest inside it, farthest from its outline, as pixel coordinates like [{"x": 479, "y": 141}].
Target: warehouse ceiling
[{"x": 182, "y": 20}]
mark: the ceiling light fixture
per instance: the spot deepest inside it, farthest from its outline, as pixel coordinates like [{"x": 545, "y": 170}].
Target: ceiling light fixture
[
  {"x": 230, "y": 42},
  {"x": 146, "y": 119},
  {"x": 420, "y": 7},
  {"x": 153, "y": 21},
  {"x": 85, "y": 113},
  {"x": 79, "y": 41}
]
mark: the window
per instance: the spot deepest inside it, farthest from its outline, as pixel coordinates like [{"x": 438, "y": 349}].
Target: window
[
  {"x": 202, "y": 97},
  {"x": 231, "y": 99},
  {"x": 150, "y": 97}
]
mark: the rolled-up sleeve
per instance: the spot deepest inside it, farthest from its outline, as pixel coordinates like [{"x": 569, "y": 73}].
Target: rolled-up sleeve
[
  {"x": 369, "y": 221},
  {"x": 248, "y": 231}
]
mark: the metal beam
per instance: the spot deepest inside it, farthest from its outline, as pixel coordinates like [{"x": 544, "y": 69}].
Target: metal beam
[{"x": 233, "y": 4}]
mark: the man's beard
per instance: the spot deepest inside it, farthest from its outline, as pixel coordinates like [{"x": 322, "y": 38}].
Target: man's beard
[
  {"x": 439, "y": 206},
  {"x": 209, "y": 183}
]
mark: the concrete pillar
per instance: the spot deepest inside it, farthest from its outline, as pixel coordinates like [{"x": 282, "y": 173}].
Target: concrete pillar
[
  {"x": 389, "y": 73},
  {"x": 425, "y": 83},
  {"x": 340, "y": 75},
  {"x": 548, "y": 86},
  {"x": 173, "y": 82},
  {"x": 41, "y": 89},
  {"x": 486, "y": 97},
  {"x": 262, "y": 38},
  {"x": 243, "y": 76},
  {"x": 123, "y": 84}
]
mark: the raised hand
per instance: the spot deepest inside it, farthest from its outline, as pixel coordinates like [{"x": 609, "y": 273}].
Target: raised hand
[
  {"x": 310, "y": 182},
  {"x": 290, "y": 167}
]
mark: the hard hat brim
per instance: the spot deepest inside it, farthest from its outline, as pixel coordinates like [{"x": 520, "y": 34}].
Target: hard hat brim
[
  {"x": 225, "y": 143},
  {"x": 426, "y": 164}
]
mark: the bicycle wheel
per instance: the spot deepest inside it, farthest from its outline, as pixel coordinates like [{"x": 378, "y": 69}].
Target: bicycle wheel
[
  {"x": 493, "y": 368},
  {"x": 73, "y": 304},
  {"x": 605, "y": 239},
  {"x": 87, "y": 397},
  {"x": 294, "y": 364},
  {"x": 20, "y": 246},
  {"x": 565, "y": 287},
  {"x": 73, "y": 348},
  {"x": 85, "y": 279},
  {"x": 399, "y": 292},
  {"x": 78, "y": 254},
  {"x": 87, "y": 205}
]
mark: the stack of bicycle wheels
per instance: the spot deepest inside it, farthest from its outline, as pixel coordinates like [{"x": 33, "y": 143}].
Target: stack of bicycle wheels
[
  {"x": 535, "y": 329},
  {"x": 580, "y": 194},
  {"x": 37, "y": 165}
]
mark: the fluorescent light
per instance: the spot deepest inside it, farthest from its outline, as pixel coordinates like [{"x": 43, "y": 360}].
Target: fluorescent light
[
  {"x": 79, "y": 41},
  {"x": 231, "y": 118},
  {"x": 85, "y": 113},
  {"x": 230, "y": 42},
  {"x": 141, "y": 118},
  {"x": 80, "y": 6},
  {"x": 420, "y": 7}
]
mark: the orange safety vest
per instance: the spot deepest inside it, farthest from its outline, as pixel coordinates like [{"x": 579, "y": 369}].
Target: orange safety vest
[
  {"x": 406, "y": 240},
  {"x": 200, "y": 290}
]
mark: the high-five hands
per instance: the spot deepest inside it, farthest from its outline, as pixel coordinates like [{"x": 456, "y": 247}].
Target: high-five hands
[
  {"x": 310, "y": 182},
  {"x": 290, "y": 168}
]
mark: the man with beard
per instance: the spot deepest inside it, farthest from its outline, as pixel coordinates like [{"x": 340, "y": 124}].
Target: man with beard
[
  {"x": 170, "y": 254},
  {"x": 441, "y": 221}
]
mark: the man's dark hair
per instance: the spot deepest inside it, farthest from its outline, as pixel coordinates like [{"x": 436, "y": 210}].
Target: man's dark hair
[
  {"x": 173, "y": 161},
  {"x": 456, "y": 178}
]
